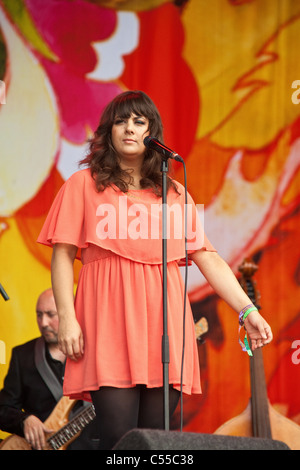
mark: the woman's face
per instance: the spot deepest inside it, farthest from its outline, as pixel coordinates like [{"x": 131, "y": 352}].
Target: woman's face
[{"x": 128, "y": 137}]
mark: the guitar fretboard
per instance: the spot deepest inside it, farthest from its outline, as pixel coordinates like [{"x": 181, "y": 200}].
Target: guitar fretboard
[{"x": 73, "y": 427}]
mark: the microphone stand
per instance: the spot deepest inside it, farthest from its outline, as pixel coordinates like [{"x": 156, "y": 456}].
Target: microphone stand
[
  {"x": 165, "y": 337},
  {"x": 166, "y": 153}
]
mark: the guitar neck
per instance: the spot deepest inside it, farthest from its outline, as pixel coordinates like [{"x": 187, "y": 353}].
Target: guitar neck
[
  {"x": 261, "y": 426},
  {"x": 72, "y": 428},
  {"x": 259, "y": 397}
]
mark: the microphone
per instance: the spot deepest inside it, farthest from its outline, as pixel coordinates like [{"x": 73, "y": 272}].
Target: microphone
[{"x": 154, "y": 144}]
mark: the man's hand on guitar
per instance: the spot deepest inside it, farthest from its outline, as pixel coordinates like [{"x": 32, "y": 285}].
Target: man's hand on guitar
[
  {"x": 34, "y": 432},
  {"x": 258, "y": 329}
]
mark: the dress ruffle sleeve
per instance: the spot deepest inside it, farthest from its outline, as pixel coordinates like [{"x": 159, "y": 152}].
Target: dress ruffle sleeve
[{"x": 65, "y": 220}]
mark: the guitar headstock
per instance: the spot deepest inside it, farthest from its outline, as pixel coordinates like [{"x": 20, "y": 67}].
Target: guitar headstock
[
  {"x": 248, "y": 268},
  {"x": 201, "y": 327}
]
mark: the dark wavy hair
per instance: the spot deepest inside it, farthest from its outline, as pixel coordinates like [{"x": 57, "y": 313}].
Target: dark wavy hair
[{"x": 103, "y": 159}]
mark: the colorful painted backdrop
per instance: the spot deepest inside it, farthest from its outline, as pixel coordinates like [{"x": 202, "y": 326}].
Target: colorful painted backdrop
[{"x": 225, "y": 76}]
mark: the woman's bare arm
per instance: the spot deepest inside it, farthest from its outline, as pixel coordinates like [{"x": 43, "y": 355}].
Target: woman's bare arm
[{"x": 70, "y": 338}]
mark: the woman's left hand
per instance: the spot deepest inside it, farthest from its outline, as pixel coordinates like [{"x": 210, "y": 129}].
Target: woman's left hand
[{"x": 258, "y": 330}]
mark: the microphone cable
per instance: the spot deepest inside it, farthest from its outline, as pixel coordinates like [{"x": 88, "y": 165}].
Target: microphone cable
[{"x": 184, "y": 297}]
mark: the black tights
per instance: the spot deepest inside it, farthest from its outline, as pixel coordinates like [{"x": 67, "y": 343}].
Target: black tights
[{"x": 119, "y": 410}]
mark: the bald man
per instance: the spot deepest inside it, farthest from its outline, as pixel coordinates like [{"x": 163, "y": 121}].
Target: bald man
[{"x": 33, "y": 384}]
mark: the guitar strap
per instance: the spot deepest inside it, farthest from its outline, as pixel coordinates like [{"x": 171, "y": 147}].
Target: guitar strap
[{"x": 45, "y": 370}]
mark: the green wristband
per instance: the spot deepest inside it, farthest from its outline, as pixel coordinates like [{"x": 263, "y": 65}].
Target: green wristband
[{"x": 247, "y": 312}]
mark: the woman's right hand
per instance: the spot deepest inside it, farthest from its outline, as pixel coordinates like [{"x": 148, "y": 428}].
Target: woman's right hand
[{"x": 70, "y": 338}]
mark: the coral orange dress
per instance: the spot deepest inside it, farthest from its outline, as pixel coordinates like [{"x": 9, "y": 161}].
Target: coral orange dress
[{"x": 118, "y": 301}]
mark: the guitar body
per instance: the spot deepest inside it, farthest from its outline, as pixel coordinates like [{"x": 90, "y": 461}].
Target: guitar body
[
  {"x": 240, "y": 425},
  {"x": 282, "y": 428},
  {"x": 15, "y": 442},
  {"x": 57, "y": 419}
]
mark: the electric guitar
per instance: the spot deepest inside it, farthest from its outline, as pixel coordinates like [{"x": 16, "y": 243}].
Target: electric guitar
[{"x": 66, "y": 431}]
